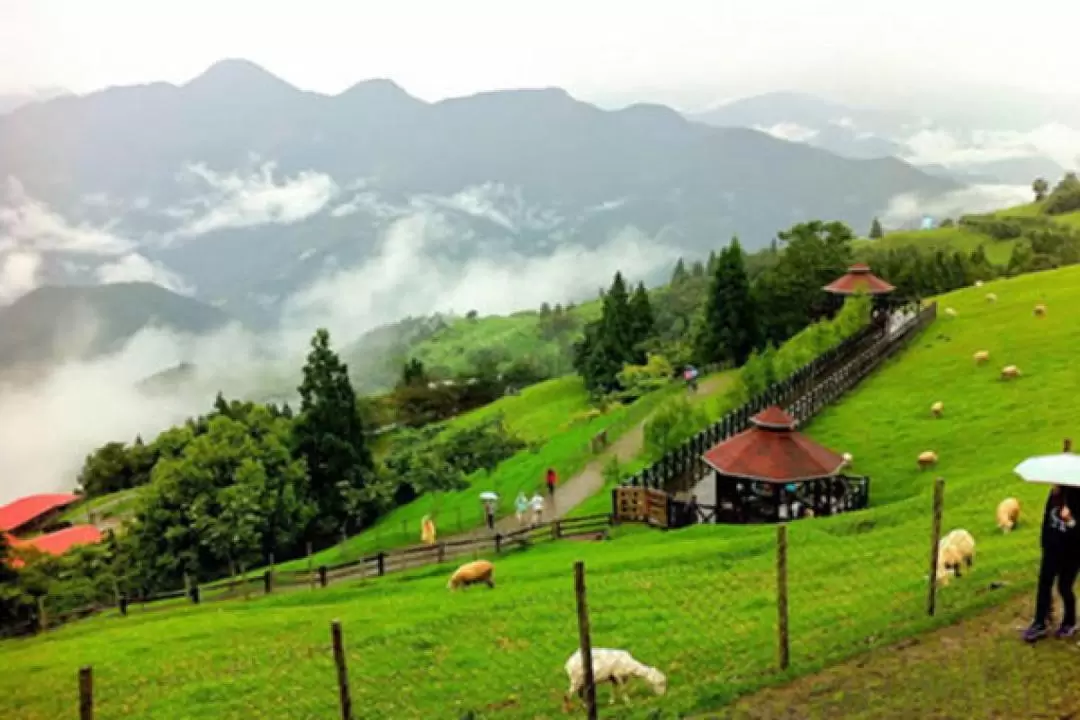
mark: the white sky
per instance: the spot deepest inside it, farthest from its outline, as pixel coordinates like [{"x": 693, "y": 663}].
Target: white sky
[{"x": 696, "y": 50}]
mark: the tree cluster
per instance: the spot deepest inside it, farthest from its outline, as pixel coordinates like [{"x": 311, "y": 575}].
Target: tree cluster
[{"x": 616, "y": 339}]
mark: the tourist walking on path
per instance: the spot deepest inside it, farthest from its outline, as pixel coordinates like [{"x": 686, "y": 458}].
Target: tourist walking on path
[
  {"x": 551, "y": 480},
  {"x": 521, "y": 506},
  {"x": 489, "y": 513},
  {"x": 537, "y": 504},
  {"x": 1060, "y": 562}
]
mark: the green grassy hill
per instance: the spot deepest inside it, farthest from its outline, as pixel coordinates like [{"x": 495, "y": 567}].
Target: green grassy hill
[{"x": 697, "y": 603}]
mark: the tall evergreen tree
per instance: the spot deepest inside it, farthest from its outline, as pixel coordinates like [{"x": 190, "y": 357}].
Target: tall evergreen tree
[
  {"x": 642, "y": 319},
  {"x": 876, "y": 233},
  {"x": 729, "y": 332},
  {"x": 679, "y": 275},
  {"x": 609, "y": 342},
  {"x": 710, "y": 264},
  {"x": 330, "y": 438}
]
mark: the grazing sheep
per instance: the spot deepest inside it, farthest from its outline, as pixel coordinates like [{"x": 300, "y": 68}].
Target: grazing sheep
[
  {"x": 978, "y": 283},
  {"x": 471, "y": 573},
  {"x": 1040, "y": 310},
  {"x": 981, "y": 356},
  {"x": 927, "y": 458},
  {"x": 615, "y": 667},
  {"x": 1008, "y": 513},
  {"x": 848, "y": 459},
  {"x": 950, "y": 312},
  {"x": 937, "y": 408},
  {"x": 991, "y": 297},
  {"x": 1010, "y": 372},
  {"x": 955, "y": 549}
]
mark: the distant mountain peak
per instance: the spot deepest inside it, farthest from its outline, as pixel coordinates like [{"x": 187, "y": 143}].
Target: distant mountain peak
[{"x": 233, "y": 73}]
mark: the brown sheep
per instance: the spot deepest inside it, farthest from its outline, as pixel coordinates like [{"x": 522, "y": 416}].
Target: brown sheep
[
  {"x": 1008, "y": 513},
  {"x": 471, "y": 573},
  {"x": 981, "y": 356},
  {"x": 937, "y": 409},
  {"x": 1040, "y": 310},
  {"x": 1010, "y": 372},
  {"x": 927, "y": 458}
]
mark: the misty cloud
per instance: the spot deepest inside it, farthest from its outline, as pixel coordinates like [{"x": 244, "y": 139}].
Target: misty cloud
[
  {"x": 136, "y": 267},
  {"x": 238, "y": 201},
  {"x": 1058, "y": 142},
  {"x": 19, "y": 273},
  {"x": 29, "y": 224},
  {"x": 792, "y": 132},
  {"x": 908, "y": 208}
]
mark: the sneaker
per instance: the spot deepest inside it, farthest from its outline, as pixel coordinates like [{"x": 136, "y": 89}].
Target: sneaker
[
  {"x": 1036, "y": 632},
  {"x": 1065, "y": 631}
]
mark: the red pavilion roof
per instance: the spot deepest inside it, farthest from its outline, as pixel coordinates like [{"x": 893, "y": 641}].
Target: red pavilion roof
[
  {"x": 772, "y": 451},
  {"x": 859, "y": 279},
  {"x": 59, "y": 542},
  {"x": 16, "y": 514}
]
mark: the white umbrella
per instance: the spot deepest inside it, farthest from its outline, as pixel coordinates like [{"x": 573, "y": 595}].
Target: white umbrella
[
  {"x": 488, "y": 495},
  {"x": 1060, "y": 469}
]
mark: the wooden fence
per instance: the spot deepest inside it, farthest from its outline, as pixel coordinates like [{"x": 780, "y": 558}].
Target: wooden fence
[{"x": 804, "y": 393}]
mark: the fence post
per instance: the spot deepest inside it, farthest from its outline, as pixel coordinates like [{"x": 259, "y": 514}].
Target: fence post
[
  {"x": 380, "y": 563},
  {"x": 935, "y": 538},
  {"x": 584, "y": 639},
  {"x": 322, "y": 576},
  {"x": 123, "y": 603},
  {"x": 498, "y": 543},
  {"x": 442, "y": 552},
  {"x": 556, "y": 530},
  {"x": 342, "y": 671},
  {"x": 310, "y": 570},
  {"x": 268, "y": 582},
  {"x": 782, "y": 597},
  {"x": 43, "y": 613},
  {"x": 195, "y": 596},
  {"x": 86, "y": 693}
]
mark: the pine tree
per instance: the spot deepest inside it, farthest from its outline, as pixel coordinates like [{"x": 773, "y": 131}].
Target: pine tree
[
  {"x": 876, "y": 233},
  {"x": 608, "y": 343},
  {"x": 729, "y": 333},
  {"x": 710, "y": 264},
  {"x": 329, "y": 437},
  {"x": 643, "y": 320},
  {"x": 697, "y": 269},
  {"x": 679, "y": 275}
]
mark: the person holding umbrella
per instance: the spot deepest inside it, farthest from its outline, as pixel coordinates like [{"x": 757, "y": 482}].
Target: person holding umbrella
[
  {"x": 489, "y": 499},
  {"x": 1060, "y": 540}
]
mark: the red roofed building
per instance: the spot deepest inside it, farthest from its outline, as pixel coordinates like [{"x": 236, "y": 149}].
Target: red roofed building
[
  {"x": 59, "y": 542},
  {"x": 770, "y": 472},
  {"x": 33, "y": 512},
  {"x": 859, "y": 279}
]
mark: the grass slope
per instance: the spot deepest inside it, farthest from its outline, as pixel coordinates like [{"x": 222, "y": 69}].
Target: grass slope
[{"x": 698, "y": 603}]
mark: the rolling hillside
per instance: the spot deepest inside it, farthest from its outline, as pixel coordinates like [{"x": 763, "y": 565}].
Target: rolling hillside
[
  {"x": 857, "y": 581},
  {"x": 54, "y": 323}
]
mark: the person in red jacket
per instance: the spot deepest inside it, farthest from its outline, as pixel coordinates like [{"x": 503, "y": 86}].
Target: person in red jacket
[{"x": 551, "y": 480}]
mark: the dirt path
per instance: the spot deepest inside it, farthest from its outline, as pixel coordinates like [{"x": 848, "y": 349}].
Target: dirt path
[{"x": 978, "y": 668}]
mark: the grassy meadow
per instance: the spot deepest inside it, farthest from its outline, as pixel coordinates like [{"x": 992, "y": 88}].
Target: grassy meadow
[{"x": 698, "y": 603}]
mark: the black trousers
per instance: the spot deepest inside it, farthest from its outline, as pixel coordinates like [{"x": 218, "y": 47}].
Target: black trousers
[{"x": 1061, "y": 566}]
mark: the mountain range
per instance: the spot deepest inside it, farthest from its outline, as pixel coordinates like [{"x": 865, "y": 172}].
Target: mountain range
[
  {"x": 241, "y": 190},
  {"x": 957, "y": 148}
]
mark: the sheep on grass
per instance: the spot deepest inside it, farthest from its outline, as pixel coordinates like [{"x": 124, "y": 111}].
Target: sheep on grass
[
  {"x": 981, "y": 356},
  {"x": 1040, "y": 310},
  {"x": 950, "y": 312},
  {"x": 614, "y": 666},
  {"x": 927, "y": 458},
  {"x": 471, "y": 573},
  {"x": 1010, "y": 372},
  {"x": 848, "y": 459},
  {"x": 1008, "y": 513},
  {"x": 955, "y": 549},
  {"x": 937, "y": 409},
  {"x": 991, "y": 298}
]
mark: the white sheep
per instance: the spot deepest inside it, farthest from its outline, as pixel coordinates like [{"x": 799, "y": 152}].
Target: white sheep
[
  {"x": 848, "y": 459},
  {"x": 1040, "y": 310},
  {"x": 991, "y": 297},
  {"x": 1010, "y": 372},
  {"x": 927, "y": 458},
  {"x": 1008, "y": 513},
  {"x": 937, "y": 409},
  {"x": 955, "y": 549},
  {"x": 978, "y": 283},
  {"x": 981, "y": 356},
  {"x": 478, "y": 571},
  {"x": 950, "y": 312},
  {"x": 615, "y": 667}
]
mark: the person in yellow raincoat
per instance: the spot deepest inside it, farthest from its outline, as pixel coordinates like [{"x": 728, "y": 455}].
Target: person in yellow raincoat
[{"x": 427, "y": 530}]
